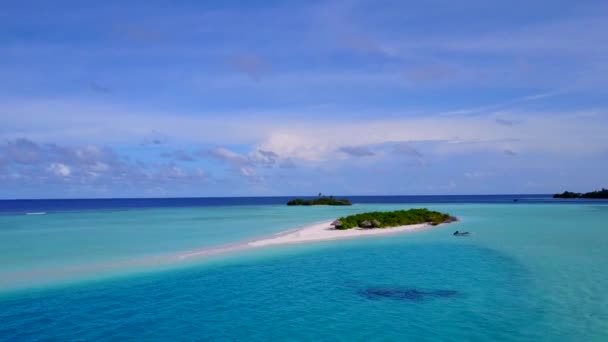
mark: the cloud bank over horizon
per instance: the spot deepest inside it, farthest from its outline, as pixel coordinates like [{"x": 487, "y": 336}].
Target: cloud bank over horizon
[{"x": 343, "y": 97}]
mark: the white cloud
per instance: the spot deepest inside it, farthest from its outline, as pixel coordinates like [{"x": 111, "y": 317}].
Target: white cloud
[
  {"x": 248, "y": 171},
  {"x": 172, "y": 172},
  {"x": 263, "y": 158},
  {"x": 313, "y": 139},
  {"x": 99, "y": 167},
  {"x": 59, "y": 169},
  {"x": 229, "y": 156},
  {"x": 357, "y": 151},
  {"x": 86, "y": 167}
]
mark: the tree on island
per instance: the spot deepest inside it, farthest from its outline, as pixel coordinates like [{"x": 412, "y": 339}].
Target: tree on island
[
  {"x": 320, "y": 201},
  {"x": 568, "y": 194},
  {"x": 596, "y": 194},
  {"x": 387, "y": 219},
  {"x": 600, "y": 194}
]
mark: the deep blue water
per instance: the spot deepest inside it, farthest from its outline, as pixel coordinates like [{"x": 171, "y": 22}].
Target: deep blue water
[{"x": 54, "y": 205}]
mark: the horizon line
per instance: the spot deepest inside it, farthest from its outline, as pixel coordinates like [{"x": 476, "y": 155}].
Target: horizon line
[{"x": 277, "y": 196}]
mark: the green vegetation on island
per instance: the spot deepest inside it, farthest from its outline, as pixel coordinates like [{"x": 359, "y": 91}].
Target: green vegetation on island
[
  {"x": 321, "y": 200},
  {"x": 590, "y": 195},
  {"x": 387, "y": 219},
  {"x": 567, "y": 194}
]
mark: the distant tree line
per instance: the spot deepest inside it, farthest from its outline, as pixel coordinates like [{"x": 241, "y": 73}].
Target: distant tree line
[
  {"x": 592, "y": 195},
  {"x": 321, "y": 200}
]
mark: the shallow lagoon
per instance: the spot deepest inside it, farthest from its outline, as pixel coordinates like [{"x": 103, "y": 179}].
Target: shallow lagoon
[{"x": 529, "y": 272}]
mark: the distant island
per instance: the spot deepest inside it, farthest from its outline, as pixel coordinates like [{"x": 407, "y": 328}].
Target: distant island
[
  {"x": 387, "y": 219},
  {"x": 591, "y": 195},
  {"x": 321, "y": 200}
]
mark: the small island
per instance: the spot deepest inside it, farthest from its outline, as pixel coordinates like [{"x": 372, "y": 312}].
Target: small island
[
  {"x": 360, "y": 225},
  {"x": 321, "y": 200},
  {"x": 388, "y": 219},
  {"x": 600, "y": 194}
]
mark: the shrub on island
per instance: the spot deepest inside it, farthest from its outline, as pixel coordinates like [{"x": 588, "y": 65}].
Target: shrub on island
[
  {"x": 387, "y": 219},
  {"x": 320, "y": 201}
]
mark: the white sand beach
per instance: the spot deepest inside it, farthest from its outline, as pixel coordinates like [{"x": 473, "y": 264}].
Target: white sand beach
[
  {"x": 316, "y": 232},
  {"x": 324, "y": 231}
]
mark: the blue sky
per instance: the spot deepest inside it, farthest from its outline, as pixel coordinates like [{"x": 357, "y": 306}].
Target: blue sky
[{"x": 238, "y": 98}]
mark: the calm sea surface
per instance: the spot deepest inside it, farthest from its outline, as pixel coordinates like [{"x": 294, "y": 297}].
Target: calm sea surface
[{"x": 535, "y": 269}]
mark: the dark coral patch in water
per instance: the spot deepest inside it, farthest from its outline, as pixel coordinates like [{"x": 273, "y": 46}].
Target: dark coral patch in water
[{"x": 410, "y": 294}]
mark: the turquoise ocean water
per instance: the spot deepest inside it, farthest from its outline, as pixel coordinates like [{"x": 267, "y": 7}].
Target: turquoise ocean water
[{"x": 529, "y": 272}]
